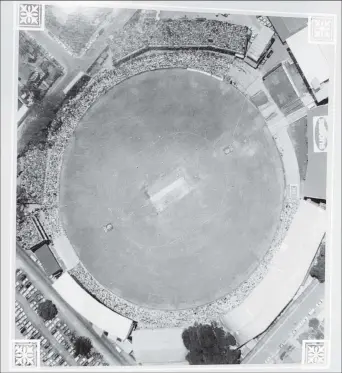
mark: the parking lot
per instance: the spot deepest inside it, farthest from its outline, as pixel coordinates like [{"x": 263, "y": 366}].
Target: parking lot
[{"x": 56, "y": 336}]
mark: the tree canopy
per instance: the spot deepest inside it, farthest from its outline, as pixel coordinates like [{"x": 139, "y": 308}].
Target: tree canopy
[
  {"x": 47, "y": 310},
  {"x": 83, "y": 346},
  {"x": 210, "y": 344},
  {"x": 318, "y": 269}
]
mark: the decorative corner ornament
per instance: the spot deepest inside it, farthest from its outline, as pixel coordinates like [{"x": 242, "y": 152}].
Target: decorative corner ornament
[
  {"x": 314, "y": 352},
  {"x": 30, "y": 16},
  {"x": 322, "y": 29},
  {"x": 26, "y": 353}
]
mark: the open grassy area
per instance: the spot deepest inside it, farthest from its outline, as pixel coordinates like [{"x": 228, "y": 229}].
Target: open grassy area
[{"x": 190, "y": 223}]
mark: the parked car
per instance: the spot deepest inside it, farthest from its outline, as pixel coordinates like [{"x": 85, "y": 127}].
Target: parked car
[
  {"x": 49, "y": 362},
  {"x": 269, "y": 54},
  {"x": 44, "y": 343},
  {"x": 39, "y": 296},
  {"x": 24, "y": 317},
  {"x": 31, "y": 293},
  {"x": 35, "y": 333}
]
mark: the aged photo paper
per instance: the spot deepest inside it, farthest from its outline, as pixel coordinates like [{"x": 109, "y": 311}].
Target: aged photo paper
[{"x": 172, "y": 174}]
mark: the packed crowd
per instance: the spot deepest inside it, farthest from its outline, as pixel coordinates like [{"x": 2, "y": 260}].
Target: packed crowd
[
  {"x": 150, "y": 319},
  {"x": 207, "y": 61},
  {"x": 70, "y": 115},
  {"x": 210, "y": 62},
  {"x": 76, "y": 31},
  {"x": 36, "y": 162},
  {"x": 181, "y": 32}
]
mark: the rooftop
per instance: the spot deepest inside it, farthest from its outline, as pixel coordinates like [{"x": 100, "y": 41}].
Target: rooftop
[
  {"x": 46, "y": 258},
  {"x": 313, "y": 62},
  {"x": 316, "y": 174},
  {"x": 287, "y": 26}
]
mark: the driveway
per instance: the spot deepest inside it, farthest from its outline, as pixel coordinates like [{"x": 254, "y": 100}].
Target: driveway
[{"x": 269, "y": 346}]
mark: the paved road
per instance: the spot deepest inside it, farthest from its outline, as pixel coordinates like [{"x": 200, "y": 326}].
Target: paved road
[
  {"x": 43, "y": 284},
  {"x": 72, "y": 65},
  {"x": 270, "y": 344},
  {"x": 39, "y": 325}
]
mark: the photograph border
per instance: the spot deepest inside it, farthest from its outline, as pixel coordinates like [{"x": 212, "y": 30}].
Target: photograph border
[{"x": 9, "y": 42}]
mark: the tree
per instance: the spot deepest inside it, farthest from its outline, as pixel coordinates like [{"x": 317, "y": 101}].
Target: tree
[
  {"x": 314, "y": 323},
  {"x": 83, "y": 346},
  {"x": 47, "y": 310},
  {"x": 210, "y": 344},
  {"x": 49, "y": 106},
  {"x": 318, "y": 269},
  {"x": 42, "y": 123},
  {"x": 22, "y": 202}
]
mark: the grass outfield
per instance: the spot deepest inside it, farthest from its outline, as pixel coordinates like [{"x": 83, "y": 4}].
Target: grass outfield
[{"x": 190, "y": 223}]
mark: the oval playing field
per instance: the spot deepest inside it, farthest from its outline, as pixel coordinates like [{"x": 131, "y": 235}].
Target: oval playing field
[{"x": 171, "y": 189}]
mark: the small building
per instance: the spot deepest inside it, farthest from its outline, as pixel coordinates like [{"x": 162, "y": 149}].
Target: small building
[
  {"x": 259, "y": 46},
  {"x": 76, "y": 84},
  {"x": 313, "y": 62},
  {"x": 317, "y": 133},
  {"x": 159, "y": 346},
  {"x": 113, "y": 324},
  {"x": 287, "y": 26},
  {"x": 46, "y": 258}
]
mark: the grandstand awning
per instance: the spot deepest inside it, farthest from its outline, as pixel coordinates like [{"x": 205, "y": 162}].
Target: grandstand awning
[
  {"x": 283, "y": 279},
  {"x": 287, "y": 26},
  {"x": 88, "y": 307},
  {"x": 312, "y": 60},
  {"x": 316, "y": 174},
  {"x": 66, "y": 252},
  {"x": 159, "y": 346},
  {"x": 260, "y": 43}
]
